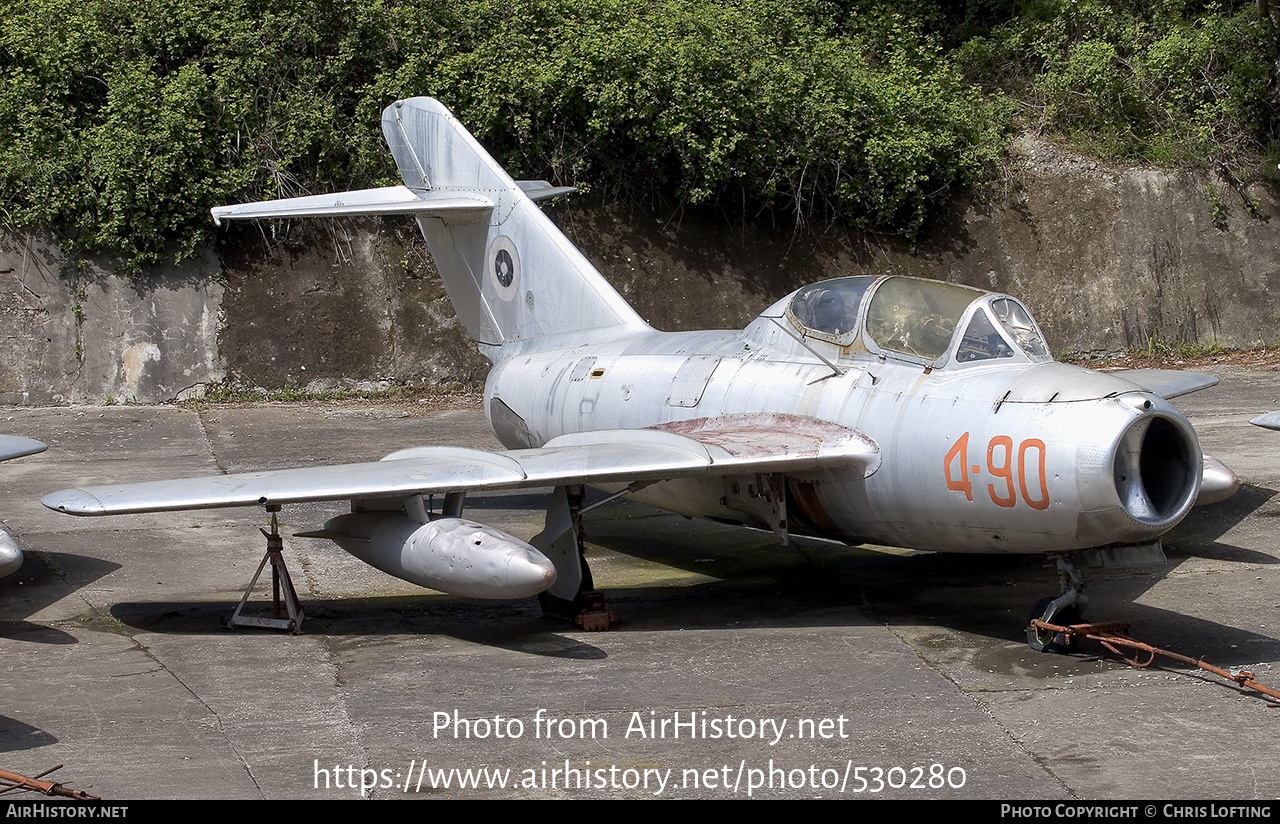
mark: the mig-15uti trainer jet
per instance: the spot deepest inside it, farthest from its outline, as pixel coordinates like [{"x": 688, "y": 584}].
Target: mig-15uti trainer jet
[{"x": 887, "y": 410}]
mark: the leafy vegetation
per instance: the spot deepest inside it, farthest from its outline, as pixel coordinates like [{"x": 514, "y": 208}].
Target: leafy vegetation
[
  {"x": 121, "y": 123},
  {"x": 1171, "y": 81}
]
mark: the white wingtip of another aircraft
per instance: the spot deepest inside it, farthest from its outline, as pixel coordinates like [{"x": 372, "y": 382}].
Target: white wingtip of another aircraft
[
  {"x": 16, "y": 446},
  {"x": 1270, "y": 420}
]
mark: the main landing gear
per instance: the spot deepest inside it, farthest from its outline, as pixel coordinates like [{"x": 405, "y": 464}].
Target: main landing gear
[{"x": 572, "y": 596}]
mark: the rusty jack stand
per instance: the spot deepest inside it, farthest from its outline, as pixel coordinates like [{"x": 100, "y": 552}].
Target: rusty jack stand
[{"x": 280, "y": 581}]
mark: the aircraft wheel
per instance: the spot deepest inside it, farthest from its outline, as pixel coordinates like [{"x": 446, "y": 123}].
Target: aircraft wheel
[{"x": 1045, "y": 641}]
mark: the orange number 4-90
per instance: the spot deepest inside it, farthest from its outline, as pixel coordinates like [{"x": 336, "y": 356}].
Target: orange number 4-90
[{"x": 1001, "y": 466}]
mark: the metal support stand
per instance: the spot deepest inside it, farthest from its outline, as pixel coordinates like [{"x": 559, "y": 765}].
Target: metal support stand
[{"x": 281, "y": 585}]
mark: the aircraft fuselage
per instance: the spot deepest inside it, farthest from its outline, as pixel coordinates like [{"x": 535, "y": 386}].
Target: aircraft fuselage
[{"x": 992, "y": 457}]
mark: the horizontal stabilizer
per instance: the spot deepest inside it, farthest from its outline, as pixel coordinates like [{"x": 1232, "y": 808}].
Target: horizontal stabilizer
[
  {"x": 730, "y": 445},
  {"x": 1167, "y": 383},
  {"x": 390, "y": 200},
  {"x": 540, "y": 190}
]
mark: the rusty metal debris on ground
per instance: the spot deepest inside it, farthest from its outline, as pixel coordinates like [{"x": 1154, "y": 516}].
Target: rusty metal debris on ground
[
  {"x": 1115, "y": 636},
  {"x": 22, "y": 782}
]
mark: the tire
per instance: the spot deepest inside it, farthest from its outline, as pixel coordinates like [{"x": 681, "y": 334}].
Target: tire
[{"x": 1055, "y": 642}]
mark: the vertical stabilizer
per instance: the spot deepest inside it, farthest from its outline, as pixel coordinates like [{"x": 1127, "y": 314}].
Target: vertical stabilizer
[{"x": 510, "y": 273}]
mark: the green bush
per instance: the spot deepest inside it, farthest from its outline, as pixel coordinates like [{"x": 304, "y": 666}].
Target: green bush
[
  {"x": 124, "y": 133},
  {"x": 122, "y": 123},
  {"x": 1170, "y": 82}
]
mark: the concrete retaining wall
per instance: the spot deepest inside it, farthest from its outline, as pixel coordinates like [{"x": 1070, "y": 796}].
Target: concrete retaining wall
[{"x": 1107, "y": 257}]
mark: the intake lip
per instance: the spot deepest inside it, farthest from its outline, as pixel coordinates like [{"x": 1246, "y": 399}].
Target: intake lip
[{"x": 1157, "y": 468}]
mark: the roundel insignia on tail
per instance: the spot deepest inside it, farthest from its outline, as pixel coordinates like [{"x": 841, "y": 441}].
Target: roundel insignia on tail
[{"x": 504, "y": 267}]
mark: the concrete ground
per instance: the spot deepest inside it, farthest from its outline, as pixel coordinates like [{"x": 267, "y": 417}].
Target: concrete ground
[{"x": 902, "y": 675}]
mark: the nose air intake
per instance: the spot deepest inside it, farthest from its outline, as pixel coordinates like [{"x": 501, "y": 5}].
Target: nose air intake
[{"x": 1157, "y": 470}]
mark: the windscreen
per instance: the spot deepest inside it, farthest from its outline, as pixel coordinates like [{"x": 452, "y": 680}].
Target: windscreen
[{"x": 830, "y": 307}]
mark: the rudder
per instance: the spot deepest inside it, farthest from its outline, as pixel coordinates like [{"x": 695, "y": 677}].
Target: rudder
[{"x": 510, "y": 273}]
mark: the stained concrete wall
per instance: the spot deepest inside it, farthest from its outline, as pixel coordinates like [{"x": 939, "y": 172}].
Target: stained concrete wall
[
  {"x": 76, "y": 332},
  {"x": 1108, "y": 258},
  {"x": 1111, "y": 257}
]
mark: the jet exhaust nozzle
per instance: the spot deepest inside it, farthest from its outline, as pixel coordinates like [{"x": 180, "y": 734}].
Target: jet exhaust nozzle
[{"x": 453, "y": 555}]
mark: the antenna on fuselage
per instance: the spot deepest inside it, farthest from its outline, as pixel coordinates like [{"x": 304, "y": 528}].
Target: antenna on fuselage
[{"x": 835, "y": 369}]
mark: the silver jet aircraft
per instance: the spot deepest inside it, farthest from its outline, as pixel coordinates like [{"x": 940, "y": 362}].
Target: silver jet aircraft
[
  {"x": 14, "y": 446},
  {"x": 885, "y": 410}
]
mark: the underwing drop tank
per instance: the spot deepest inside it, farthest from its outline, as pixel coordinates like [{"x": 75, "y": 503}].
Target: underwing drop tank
[{"x": 453, "y": 555}]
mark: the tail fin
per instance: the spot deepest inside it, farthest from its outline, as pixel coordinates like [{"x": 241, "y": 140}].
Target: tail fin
[{"x": 509, "y": 272}]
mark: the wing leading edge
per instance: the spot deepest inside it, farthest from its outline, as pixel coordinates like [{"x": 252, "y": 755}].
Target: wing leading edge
[
  {"x": 730, "y": 445},
  {"x": 1167, "y": 383}
]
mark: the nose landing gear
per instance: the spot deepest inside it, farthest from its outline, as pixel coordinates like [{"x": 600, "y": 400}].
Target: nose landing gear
[{"x": 1066, "y": 609}]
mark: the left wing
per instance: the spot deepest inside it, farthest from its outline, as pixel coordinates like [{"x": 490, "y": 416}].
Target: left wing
[{"x": 728, "y": 445}]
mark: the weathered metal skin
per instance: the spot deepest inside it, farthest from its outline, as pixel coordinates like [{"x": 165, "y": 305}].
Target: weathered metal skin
[
  {"x": 452, "y": 555},
  {"x": 1089, "y": 423}
]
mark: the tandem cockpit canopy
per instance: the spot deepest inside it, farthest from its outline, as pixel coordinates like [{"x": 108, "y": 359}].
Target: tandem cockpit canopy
[{"x": 917, "y": 319}]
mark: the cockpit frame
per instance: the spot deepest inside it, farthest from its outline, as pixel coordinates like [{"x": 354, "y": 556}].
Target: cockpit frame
[{"x": 932, "y": 323}]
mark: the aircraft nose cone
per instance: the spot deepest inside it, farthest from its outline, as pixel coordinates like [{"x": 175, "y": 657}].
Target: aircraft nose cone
[{"x": 529, "y": 572}]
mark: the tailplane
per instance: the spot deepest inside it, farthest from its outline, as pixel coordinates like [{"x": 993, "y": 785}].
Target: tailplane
[{"x": 510, "y": 273}]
